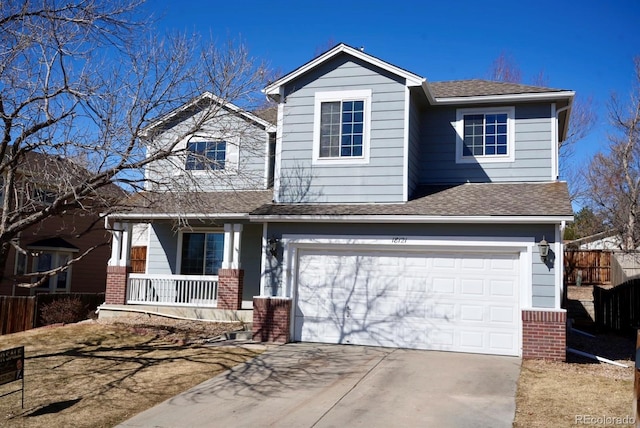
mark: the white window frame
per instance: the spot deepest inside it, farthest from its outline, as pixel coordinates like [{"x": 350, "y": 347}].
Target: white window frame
[
  {"x": 181, "y": 240},
  {"x": 340, "y": 96},
  {"x": 51, "y": 285},
  {"x": 511, "y": 135},
  {"x": 231, "y": 161}
]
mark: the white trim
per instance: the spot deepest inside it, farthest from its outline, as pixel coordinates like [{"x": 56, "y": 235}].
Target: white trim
[
  {"x": 116, "y": 245},
  {"x": 265, "y": 182},
  {"x": 146, "y": 262},
  {"x": 51, "y": 285},
  {"x": 231, "y": 155},
  {"x": 263, "y": 259},
  {"x": 278, "y": 154},
  {"x": 555, "y": 167},
  {"x": 405, "y": 160},
  {"x": 181, "y": 232},
  {"x": 539, "y": 96},
  {"x": 411, "y": 78},
  {"x": 63, "y": 249},
  {"x": 411, "y": 219},
  {"x": 237, "y": 246},
  {"x": 341, "y": 96},
  {"x": 221, "y": 102},
  {"x": 227, "y": 253},
  {"x": 126, "y": 245},
  {"x": 511, "y": 135},
  {"x": 524, "y": 246},
  {"x": 172, "y": 216},
  {"x": 558, "y": 265}
]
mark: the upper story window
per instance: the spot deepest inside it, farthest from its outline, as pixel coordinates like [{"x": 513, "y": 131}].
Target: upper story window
[
  {"x": 485, "y": 135},
  {"x": 204, "y": 155},
  {"x": 342, "y": 123}
]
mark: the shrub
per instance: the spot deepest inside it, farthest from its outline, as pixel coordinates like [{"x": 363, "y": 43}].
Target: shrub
[{"x": 65, "y": 311}]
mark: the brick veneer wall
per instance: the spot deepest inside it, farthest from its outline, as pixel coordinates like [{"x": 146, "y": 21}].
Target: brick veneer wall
[
  {"x": 230, "y": 285},
  {"x": 116, "y": 292},
  {"x": 544, "y": 334},
  {"x": 271, "y": 319}
]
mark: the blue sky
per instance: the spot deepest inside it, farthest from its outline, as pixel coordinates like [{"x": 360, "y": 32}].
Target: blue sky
[{"x": 583, "y": 45}]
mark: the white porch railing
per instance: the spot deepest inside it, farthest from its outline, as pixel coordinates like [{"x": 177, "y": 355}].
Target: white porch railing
[{"x": 172, "y": 290}]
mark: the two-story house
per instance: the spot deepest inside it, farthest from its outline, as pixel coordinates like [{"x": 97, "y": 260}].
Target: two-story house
[{"x": 403, "y": 213}]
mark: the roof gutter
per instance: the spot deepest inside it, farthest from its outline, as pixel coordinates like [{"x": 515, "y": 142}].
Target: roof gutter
[
  {"x": 490, "y": 99},
  {"x": 172, "y": 216},
  {"x": 555, "y": 219}
]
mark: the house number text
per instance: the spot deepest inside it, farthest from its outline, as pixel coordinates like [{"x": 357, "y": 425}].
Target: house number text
[{"x": 399, "y": 240}]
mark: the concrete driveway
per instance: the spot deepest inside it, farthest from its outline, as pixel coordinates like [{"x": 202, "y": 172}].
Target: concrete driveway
[{"x": 318, "y": 385}]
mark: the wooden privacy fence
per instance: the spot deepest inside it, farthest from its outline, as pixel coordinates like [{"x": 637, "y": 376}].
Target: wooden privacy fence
[
  {"x": 618, "y": 308},
  {"x": 23, "y": 313},
  {"x": 17, "y": 314},
  {"x": 587, "y": 267}
]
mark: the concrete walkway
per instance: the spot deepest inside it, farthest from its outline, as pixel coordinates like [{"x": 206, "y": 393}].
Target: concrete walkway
[{"x": 317, "y": 385}]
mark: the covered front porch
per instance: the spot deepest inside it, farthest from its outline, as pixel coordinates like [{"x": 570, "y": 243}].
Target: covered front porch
[{"x": 194, "y": 271}]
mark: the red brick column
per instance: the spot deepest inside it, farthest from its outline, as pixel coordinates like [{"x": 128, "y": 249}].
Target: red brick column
[
  {"x": 116, "y": 292},
  {"x": 271, "y": 319},
  {"x": 230, "y": 284},
  {"x": 544, "y": 334}
]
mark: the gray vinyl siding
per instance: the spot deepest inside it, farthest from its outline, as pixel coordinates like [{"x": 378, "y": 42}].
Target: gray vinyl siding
[
  {"x": 533, "y": 149},
  {"x": 245, "y": 167},
  {"x": 250, "y": 258},
  {"x": 162, "y": 249},
  {"x": 543, "y": 277},
  {"x": 381, "y": 180},
  {"x": 414, "y": 147}
]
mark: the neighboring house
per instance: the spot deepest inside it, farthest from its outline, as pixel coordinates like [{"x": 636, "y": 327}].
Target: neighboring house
[
  {"x": 403, "y": 213},
  {"x": 607, "y": 240},
  {"x": 58, "y": 239}
]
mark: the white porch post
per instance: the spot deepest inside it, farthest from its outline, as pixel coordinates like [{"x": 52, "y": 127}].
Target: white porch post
[
  {"x": 116, "y": 245},
  {"x": 126, "y": 245},
  {"x": 237, "y": 235},
  {"x": 227, "y": 258}
]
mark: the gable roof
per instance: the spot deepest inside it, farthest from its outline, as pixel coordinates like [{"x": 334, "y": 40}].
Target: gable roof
[
  {"x": 412, "y": 79},
  {"x": 214, "y": 99},
  {"x": 453, "y": 92}
]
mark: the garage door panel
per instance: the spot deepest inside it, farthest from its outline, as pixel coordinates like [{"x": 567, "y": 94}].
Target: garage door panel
[
  {"x": 458, "y": 302},
  {"x": 502, "y": 314}
]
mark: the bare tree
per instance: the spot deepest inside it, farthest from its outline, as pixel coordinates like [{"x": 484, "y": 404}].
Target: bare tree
[
  {"x": 505, "y": 69},
  {"x": 80, "y": 83},
  {"x": 614, "y": 176}
]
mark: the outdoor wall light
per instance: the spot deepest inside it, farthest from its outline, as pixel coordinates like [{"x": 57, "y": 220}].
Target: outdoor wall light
[
  {"x": 543, "y": 248},
  {"x": 273, "y": 246}
]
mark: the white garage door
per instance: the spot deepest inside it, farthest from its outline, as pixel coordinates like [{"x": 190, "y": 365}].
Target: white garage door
[{"x": 451, "y": 301}]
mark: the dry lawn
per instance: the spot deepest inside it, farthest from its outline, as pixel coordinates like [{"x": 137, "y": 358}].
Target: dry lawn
[
  {"x": 554, "y": 394},
  {"x": 97, "y": 375}
]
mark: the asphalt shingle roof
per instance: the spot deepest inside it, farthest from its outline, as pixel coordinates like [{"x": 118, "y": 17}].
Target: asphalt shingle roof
[
  {"x": 481, "y": 199},
  {"x": 479, "y": 87},
  {"x": 468, "y": 200},
  {"x": 197, "y": 202}
]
